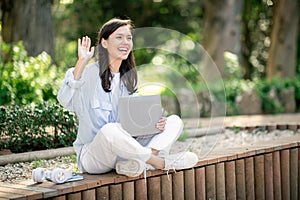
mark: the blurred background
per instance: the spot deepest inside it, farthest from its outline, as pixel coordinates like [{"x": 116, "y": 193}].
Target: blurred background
[{"x": 254, "y": 44}]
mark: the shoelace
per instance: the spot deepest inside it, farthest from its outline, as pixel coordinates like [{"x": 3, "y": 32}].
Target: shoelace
[
  {"x": 168, "y": 169},
  {"x": 173, "y": 168},
  {"x": 145, "y": 175},
  {"x": 145, "y": 172}
]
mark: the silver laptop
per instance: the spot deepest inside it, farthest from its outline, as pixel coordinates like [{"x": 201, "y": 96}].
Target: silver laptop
[{"x": 139, "y": 114}]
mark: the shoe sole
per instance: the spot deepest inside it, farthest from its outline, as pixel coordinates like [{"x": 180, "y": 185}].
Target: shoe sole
[
  {"x": 130, "y": 168},
  {"x": 188, "y": 160}
]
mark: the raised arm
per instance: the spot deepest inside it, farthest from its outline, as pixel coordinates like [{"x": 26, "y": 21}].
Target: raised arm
[{"x": 72, "y": 79}]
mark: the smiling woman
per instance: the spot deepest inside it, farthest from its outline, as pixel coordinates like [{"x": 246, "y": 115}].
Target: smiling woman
[{"x": 93, "y": 91}]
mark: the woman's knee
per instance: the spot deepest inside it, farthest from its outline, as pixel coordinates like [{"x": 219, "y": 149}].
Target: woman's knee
[
  {"x": 175, "y": 119},
  {"x": 108, "y": 127}
]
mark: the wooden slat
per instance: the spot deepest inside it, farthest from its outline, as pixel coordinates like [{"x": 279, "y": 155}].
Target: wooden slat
[
  {"x": 285, "y": 173},
  {"x": 200, "y": 184},
  {"x": 249, "y": 169},
  {"x": 166, "y": 187},
  {"x": 154, "y": 189},
  {"x": 298, "y": 171},
  {"x": 277, "y": 175},
  {"x": 128, "y": 190},
  {"x": 115, "y": 191},
  {"x": 102, "y": 193},
  {"x": 294, "y": 174},
  {"x": 230, "y": 180},
  {"x": 220, "y": 181},
  {"x": 259, "y": 177},
  {"x": 140, "y": 189},
  {"x": 76, "y": 186},
  {"x": 74, "y": 196},
  {"x": 269, "y": 186},
  {"x": 210, "y": 179},
  {"x": 240, "y": 179},
  {"x": 63, "y": 197},
  {"x": 89, "y": 194},
  {"x": 60, "y": 189},
  {"x": 5, "y": 195},
  {"x": 178, "y": 185},
  {"x": 29, "y": 194},
  {"x": 101, "y": 179},
  {"x": 189, "y": 184},
  {"x": 47, "y": 192}
]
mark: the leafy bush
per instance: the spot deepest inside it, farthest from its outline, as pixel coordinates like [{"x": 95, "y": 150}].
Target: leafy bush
[
  {"x": 25, "y": 79},
  {"x": 270, "y": 105},
  {"x": 29, "y": 128}
]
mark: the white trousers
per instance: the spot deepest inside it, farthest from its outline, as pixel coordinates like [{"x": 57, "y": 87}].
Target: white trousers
[{"x": 113, "y": 143}]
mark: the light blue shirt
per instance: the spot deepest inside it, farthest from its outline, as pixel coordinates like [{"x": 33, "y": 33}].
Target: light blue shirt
[{"x": 90, "y": 102}]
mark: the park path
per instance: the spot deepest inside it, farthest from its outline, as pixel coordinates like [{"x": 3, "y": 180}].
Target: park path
[{"x": 244, "y": 120}]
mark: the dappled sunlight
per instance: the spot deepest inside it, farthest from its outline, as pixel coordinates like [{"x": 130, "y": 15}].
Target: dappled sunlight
[{"x": 151, "y": 89}]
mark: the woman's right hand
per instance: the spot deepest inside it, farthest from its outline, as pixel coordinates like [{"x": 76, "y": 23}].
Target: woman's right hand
[{"x": 85, "y": 53}]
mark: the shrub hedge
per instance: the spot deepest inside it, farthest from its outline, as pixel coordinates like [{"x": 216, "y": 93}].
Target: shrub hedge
[{"x": 29, "y": 128}]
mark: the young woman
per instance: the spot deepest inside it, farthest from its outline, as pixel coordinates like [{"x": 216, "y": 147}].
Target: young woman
[{"x": 88, "y": 89}]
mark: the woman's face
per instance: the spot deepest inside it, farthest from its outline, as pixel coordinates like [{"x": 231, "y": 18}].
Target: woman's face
[{"x": 119, "y": 44}]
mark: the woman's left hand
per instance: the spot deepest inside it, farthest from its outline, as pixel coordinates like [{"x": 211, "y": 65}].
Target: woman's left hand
[{"x": 161, "y": 123}]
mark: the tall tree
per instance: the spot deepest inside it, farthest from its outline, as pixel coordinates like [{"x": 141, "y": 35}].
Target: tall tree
[
  {"x": 29, "y": 21},
  {"x": 222, "y": 29},
  {"x": 256, "y": 23},
  {"x": 283, "y": 49}
]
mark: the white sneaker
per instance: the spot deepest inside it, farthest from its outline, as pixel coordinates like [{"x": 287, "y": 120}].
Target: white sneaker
[
  {"x": 181, "y": 160},
  {"x": 130, "y": 168}
]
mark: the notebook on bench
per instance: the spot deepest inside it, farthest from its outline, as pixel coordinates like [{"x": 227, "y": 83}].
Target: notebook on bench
[{"x": 140, "y": 114}]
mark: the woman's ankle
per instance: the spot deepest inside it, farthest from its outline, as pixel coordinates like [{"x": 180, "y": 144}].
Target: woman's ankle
[
  {"x": 156, "y": 162},
  {"x": 155, "y": 151}
]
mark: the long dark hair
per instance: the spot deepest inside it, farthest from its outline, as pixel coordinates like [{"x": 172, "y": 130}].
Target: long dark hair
[{"x": 128, "y": 71}]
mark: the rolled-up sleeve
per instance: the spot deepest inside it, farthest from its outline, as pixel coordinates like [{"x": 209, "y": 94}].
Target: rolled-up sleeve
[{"x": 68, "y": 89}]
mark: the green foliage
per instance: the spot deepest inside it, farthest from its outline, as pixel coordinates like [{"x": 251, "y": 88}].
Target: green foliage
[
  {"x": 183, "y": 137},
  {"x": 72, "y": 21},
  {"x": 38, "y": 163},
  {"x": 236, "y": 129},
  {"x": 270, "y": 105},
  {"x": 232, "y": 67},
  {"x": 25, "y": 79},
  {"x": 29, "y": 128}
]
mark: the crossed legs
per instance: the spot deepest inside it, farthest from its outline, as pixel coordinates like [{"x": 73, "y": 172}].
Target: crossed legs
[{"x": 113, "y": 143}]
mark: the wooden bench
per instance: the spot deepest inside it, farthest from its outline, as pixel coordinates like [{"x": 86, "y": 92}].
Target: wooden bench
[{"x": 264, "y": 171}]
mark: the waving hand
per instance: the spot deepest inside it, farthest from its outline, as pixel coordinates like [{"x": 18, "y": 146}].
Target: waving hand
[
  {"x": 85, "y": 53},
  {"x": 84, "y": 48}
]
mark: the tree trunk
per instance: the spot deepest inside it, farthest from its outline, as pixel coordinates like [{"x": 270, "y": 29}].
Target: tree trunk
[
  {"x": 29, "y": 21},
  {"x": 283, "y": 49},
  {"x": 222, "y": 29}
]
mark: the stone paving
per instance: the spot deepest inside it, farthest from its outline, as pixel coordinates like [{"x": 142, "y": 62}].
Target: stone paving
[{"x": 243, "y": 120}]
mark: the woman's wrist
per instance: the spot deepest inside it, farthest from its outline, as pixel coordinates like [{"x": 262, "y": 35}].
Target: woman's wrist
[{"x": 80, "y": 65}]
